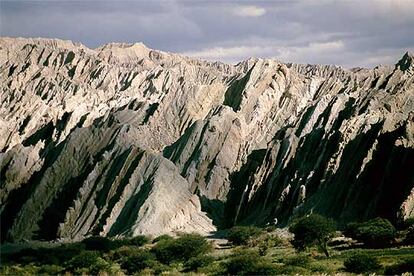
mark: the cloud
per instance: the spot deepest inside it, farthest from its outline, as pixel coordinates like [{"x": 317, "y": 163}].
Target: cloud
[
  {"x": 249, "y": 11},
  {"x": 230, "y": 53},
  {"x": 307, "y": 54},
  {"x": 239, "y": 53},
  {"x": 348, "y": 33}
]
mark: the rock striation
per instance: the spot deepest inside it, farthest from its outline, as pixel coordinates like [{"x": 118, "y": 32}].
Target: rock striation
[{"x": 124, "y": 140}]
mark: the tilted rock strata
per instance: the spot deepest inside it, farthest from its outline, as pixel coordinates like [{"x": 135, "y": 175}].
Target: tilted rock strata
[{"x": 86, "y": 135}]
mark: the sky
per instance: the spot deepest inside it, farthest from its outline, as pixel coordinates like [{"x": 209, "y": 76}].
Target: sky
[{"x": 350, "y": 33}]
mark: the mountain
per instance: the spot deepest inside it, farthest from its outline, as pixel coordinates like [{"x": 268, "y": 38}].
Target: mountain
[{"x": 124, "y": 140}]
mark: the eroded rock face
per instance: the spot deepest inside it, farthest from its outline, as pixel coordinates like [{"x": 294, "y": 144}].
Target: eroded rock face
[{"x": 123, "y": 140}]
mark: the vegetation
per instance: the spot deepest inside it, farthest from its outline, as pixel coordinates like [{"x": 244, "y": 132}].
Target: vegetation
[
  {"x": 361, "y": 263},
  {"x": 401, "y": 267},
  {"x": 312, "y": 230},
  {"x": 249, "y": 262},
  {"x": 375, "y": 233},
  {"x": 409, "y": 236},
  {"x": 266, "y": 242},
  {"x": 266, "y": 252},
  {"x": 162, "y": 237},
  {"x": 136, "y": 241},
  {"x": 198, "y": 262},
  {"x": 98, "y": 243},
  {"x": 137, "y": 260},
  {"x": 241, "y": 235},
  {"x": 181, "y": 249}
]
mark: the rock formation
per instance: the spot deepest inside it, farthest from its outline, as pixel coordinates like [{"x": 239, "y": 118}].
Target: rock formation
[{"x": 123, "y": 140}]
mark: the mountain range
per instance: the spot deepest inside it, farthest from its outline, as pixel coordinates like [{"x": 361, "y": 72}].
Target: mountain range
[{"x": 125, "y": 140}]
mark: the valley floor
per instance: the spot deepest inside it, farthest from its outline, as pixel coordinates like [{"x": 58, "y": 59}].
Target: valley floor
[{"x": 140, "y": 257}]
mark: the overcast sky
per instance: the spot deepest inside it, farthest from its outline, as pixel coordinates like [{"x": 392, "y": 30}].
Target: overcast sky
[{"x": 349, "y": 33}]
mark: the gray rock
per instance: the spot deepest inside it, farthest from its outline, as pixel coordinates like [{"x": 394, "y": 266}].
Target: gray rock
[{"x": 124, "y": 140}]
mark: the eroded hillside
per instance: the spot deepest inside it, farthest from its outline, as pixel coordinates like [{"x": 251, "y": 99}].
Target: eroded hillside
[{"x": 124, "y": 140}]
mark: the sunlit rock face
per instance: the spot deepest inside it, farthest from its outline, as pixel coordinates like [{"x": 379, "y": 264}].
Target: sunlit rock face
[{"x": 125, "y": 140}]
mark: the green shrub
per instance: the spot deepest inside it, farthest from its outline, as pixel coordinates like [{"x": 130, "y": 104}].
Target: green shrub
[
  {"x": 139, "y": 240},
  {"x": 158, "y": 268},
  {"x": 293, "y": 270},
  {"x": 161, "y": 238},
  {"x": 265, "y": 242},
  {"x": 121, "y": 252},
  {"x": 241, "y": 235},
  {"x": 99, "y": 243},
  {"x": 249, "y": 262},
  {"x": 374, "y": 233},
  {"x": 100, "y": 265},
  {"x": 84, "y": 260},
  {"x": 312, "y": 230},
  {"x": 409, "y": 236},
  {"x": 50, "y": 270},
  {"x": 361, "y": 263},
  {"x": 25, "y": 256},
  {"x": 264, "y": 268},
  {"x": 351, "y": 229},
  {"x": 54, "y": 255},
  {"x": 195, "y": 263},
  {"x": 270, "y": 228},
  {"x": 182, "y": 248},
  {"x": 400, "y": 268},
  {"x": 321, "y": 268},
  {"x": 18, "y": 270},
  {"x": 137, "y": 260},
  {"x": 241, "y": 262},
  {"x": 66, "y": 252},
  {"x": 300, "y": 260}
]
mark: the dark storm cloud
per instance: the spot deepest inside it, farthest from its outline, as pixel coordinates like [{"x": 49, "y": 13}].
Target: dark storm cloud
[{"x": 349, "y": 32}]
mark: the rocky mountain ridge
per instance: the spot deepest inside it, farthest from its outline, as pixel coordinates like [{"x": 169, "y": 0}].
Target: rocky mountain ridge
[{"x": 124, "y": 140}]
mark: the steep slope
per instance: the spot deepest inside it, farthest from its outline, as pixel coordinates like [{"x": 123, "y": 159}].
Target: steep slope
[{"x": 123, "y": 139}]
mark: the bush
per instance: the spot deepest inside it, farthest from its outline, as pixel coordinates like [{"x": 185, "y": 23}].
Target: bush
[
  {"x": 351, "y": 229},
  {"x": 121, "y": 253},
  {"x": 55, "y": 255},
  {"x": 241, "y": 235},
  {"x": 182, "y": 248},
  {"x": 400, "y": 268},
  {"x": 265, "y": 242},
  {"x": 85, "y": 259},
  {"x": 18, "y": 270},
  {"x": 101, "y": 266},
  {"x": 25, "y": 256},
  {"x": 361, "y": 263},
  {"x": 195, "y": 263},
  {"x": 157, "y": 268},
  {"x": 50, "y": 270},
  {"x": 99, "y": 243},
  {"x": 139, "y": 240},
  {"x": 162, "y": 237},
  {"x": 409, "y": 236},
  {"x": 137, "y": 260},
  {"x": 264, "y": 268},
  {"x": 375, "y": 233},
  {"x": 312, "y": 230},
  {"x": 300, "y": 260},
  {"x": 249, "y": 262}
]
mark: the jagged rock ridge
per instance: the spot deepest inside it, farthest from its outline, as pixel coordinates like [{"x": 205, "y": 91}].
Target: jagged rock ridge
[{"x": 123, "y": 140}]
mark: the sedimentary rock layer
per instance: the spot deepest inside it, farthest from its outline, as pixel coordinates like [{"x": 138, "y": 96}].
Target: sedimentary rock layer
[{"x": 123, "y": 140}]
